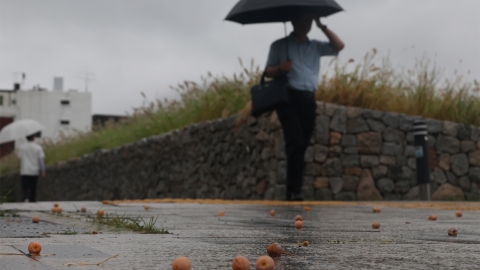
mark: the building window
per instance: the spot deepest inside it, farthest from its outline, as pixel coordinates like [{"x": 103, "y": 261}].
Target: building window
[
  {"x": 64, "y": 122},
  {"x": 65, "y": 102},
  {"x": 1, "y": 100}
]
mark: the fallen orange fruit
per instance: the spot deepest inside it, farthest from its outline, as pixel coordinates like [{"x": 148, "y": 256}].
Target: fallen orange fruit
[
  {"x": 452, "y": 232},
  {"x": 272, "y": 213},
  {"x": 34, "y": 248},
  {"x": 100, "y": 213},
  {"x": 264, "y": 263},
  {"x": 55, "y": 205},
  {"x": 298, "y": 218},
  {"x": 458, "y": 214},
  {"x": 35, "y": 219},
  {"x": 377, "y": 209},
  {"x": 146, "y": 207},
  {"x": 221, "y": 214},
  {"x": 181, "y": 263},
  {"x": 306, "y": 208},
  {"x": 375, "y": 225},
  {"x": 240, "y": 263},
  {"x": 83, "y": 210},
  {"x": 298, "y": 224},
  {"x": 432, "y": 217},
  {"x": 94, "y": 232}
]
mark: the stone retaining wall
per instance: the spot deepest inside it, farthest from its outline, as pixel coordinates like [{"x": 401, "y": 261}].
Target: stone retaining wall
[{"x": 355, "y": 154}]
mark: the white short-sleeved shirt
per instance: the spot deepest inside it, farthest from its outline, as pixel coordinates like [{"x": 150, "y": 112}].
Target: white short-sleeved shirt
[
  {"x": 30, "y": 155},
  {"x": 305, "y": 58}
]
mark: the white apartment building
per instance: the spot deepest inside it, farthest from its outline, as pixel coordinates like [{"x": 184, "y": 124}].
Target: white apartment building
[{"x": 58, "y": 111}]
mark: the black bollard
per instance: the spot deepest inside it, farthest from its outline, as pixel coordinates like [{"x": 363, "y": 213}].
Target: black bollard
[{"x": 421, "y": 154}]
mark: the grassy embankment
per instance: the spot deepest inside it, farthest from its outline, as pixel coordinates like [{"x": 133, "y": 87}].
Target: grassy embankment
[{"x": 421, "y": 90}]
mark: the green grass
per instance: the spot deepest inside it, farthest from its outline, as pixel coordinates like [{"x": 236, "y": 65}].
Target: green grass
[
  {"x": 372, "y": 83},
  {"x": 137, "y": 224}
]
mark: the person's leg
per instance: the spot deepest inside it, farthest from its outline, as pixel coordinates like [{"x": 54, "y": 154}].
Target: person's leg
[
  {"x": 294, "y": 147},
  {"x": 33, "y": 188},
  {"x": 25, "y": 186}
]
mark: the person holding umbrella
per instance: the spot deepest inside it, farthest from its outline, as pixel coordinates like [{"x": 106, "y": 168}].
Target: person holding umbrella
[
  {"x": 32, "y": 165},
  {"x": 298, "y": 57}
]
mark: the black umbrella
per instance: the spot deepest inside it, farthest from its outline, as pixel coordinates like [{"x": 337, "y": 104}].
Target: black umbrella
[{"x": 264, "y": 11}]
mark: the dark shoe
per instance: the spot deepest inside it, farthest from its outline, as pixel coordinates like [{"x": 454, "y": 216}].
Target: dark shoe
[
  {"x": 297, "y": 196},
  {"x": 294, "y": 196}
]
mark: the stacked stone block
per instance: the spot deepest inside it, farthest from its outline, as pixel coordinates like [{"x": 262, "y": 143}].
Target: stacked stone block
[{"x": 354, "y": 154}]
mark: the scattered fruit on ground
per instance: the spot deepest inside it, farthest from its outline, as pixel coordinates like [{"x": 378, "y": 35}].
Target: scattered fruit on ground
[
  {"x": 275, "y": 250},
  {"x": 55, "y": 205},
  {"x": 146, "y": 207},
  {"x": 181, "y": 263},
  {"x": 83, "y": 209},
  {"x": 35, "y": 219},
  {"x": 452, "y": 232},
  {"x": 94, "y": 232},
  {"x": 265, "y": 263},
  {"x": 305, "y": 243},
  {"x": 272, "y": 213},
  {"x": 221, "y": 214},
  {"x": 306, "y": 208},
  {"x": 100, "y": 213},
  {"x": 298, "y": 218},
  {"x": 432, "y": 217},
  {"x": 57, "y": 210},
  {"x": 298, "y": 224},
  {"x": 459, "y": 214},
  {"x": 240, "y": 263},
  {"x": 375, "y": 225},
  {"x": 34, "y": 248},
  {"x": 377, "y": 209}
]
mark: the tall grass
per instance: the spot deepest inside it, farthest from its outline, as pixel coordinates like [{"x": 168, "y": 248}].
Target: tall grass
[{"x": 418, "y": 91}]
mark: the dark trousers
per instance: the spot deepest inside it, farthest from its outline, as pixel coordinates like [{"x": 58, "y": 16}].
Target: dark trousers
[
  {"x": 298, "y": 120},
  {"x": 29, "y": 187}
]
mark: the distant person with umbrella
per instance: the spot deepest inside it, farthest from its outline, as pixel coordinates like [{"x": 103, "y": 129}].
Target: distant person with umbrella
[
  {"x": 31, "y": 157},
  {"x": 302, "y": 70},
  {"x": 298, "y": 58}
]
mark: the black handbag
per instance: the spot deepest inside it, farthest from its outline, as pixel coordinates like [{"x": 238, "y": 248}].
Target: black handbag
[{"x": 267, "y": 96}]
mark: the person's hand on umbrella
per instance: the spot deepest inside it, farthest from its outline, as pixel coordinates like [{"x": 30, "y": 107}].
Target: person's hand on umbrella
[{"x": 319, "y": 24}]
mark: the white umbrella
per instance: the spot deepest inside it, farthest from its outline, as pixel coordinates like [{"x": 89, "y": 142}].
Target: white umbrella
[{"x": 19, "y": 129}]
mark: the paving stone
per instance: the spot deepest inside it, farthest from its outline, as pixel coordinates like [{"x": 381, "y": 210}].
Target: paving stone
[
  {"x": 368, "y": 113},
  {"x": 339, "y": 120},
  {"x": 349, "y": 140},
  {"x": 474, "y": 174},
  {"x": 390, "y": 119},
  {"x": 450, "y": 128},
  {"x": 385, "y": 185},
  {"x": 434, "y": 126},
  {"x": 444, "y": 162},
  {"x": 447, "y": 144},
  {"x": 464, "y": 183},
  {"x": 323, "y": 194},
  {"x": 350, "y": 183},
  {"x": 350, "y": 150},
  {"x": 459, "y": 164},
  {"x": 438, "y": 176},
  {"x": 375, "y": 125},
  {"x": 345, "y": 196},
  {"x": 369, "y": 143},
  {"x": 335, "y": 138},
  {"x": 379, "y": 171},
  {"x": 336, "y": 184},
  {"x": 357, "y": 125},
  {"x": 391, "y": 149},
  {"x": 369, "y": 161},
  {"x": 393, "y": 135},
  {"x": 322, "y": 129},
  {"x": 350, "y": 160},
  {"x": 467, "y": 146},
  {"x": 474, "y": 158}
]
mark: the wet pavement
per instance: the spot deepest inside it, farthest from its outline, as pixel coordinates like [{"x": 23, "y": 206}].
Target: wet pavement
[{"x": 339, "y": 236}]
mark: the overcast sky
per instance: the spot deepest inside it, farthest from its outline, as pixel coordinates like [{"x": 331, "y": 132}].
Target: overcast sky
[{"x": 129, "y": 46}]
